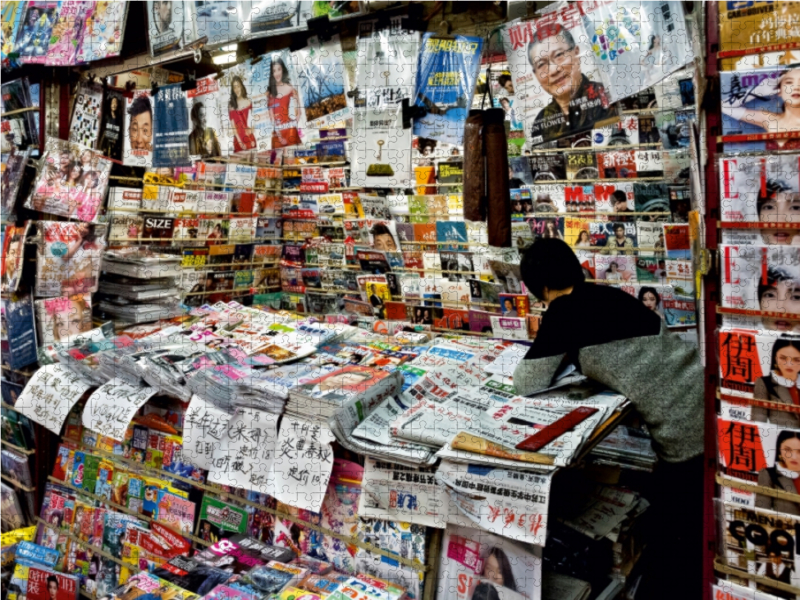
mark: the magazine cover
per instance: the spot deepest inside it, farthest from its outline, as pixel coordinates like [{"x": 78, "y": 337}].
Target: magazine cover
[
  {"x": 552, "y": 65},
  {"x": 84, "y": 126},
  {"x": 271, "y": 17},
  {"x": 761, "y": 26},
  {"x": 44, "y": 584},
  {"x": 476, "y": 563},
  {"x": 68, "y": 258},
  {"x": 387, "y": 65},
  {"x": 219, "y": 21},
  {"x": 13, "y": 255},
  {"x": 111, "y": 119},
  {"x": 165, "y": 24},
  {"x": 764, "y": 280},
  {"x": 19, "y": 342},
  {"x": 381, "y": 154},
  {"x": 278, "y": 114},
  {"x": 236, "y": 108},
  {"x": 171, "y": 128},
  {"x": 12, "y": 176},
  {"x": 615, "y": 197},
  {"x": 104, "y": 31},
  {"x": 72, "y": 181},
  {"x": 446, "y": 74},
  {"x": 35, "y": 30},
  {"x": 138, "y": 132},
  {"x": 219, "y": 519},
  {"x": 9, "y": 22},
  {"x": 757, "y": 108},
  {"x": 68, "y": 31},
  {"x": 59, "y": 319},
  {"x": 322, "y": 82},
  {"x": 206, "y": 133},
  {"x": 615, "y": 269}
]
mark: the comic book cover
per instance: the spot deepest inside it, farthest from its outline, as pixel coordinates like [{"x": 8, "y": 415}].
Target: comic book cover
[
  {"x": 68, "y": 32},
  {"x": 72, "y": 182},
  {"x": 35, "y": 31},
  {"x": 104, "y": 31}
]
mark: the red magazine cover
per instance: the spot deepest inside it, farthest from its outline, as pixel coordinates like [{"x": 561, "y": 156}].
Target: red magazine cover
[{"x": 44, "y": 584}]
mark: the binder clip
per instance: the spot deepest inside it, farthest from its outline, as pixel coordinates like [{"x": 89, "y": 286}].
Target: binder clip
[
  {"x": 153, "y": 88},
  {"x": 411, "y": 112},
  {"x": 190, "y": 82}
]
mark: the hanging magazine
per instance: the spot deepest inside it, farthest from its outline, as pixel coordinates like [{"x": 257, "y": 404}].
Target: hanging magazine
[
  {"x": 68, "y": 33},
  {"x": 84, "y": 127},
  {"x": 138, "y": 132},
  {"x": 105, "y": 28},
  {"x": 206, "y": 137},
  {"x": 35, "y": 31},
  {"x": 171, "y": 131},
  {"x": 165, "y": 22},
  {"x": 322, "y": 82},
  {"x": 72, "y": 181}
]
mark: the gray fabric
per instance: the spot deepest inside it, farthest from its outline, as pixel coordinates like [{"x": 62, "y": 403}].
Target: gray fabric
[{"x": 660, "y": 374}]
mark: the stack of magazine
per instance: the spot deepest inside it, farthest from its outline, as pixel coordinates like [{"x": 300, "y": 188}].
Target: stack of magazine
[
  {"x": 140, "y": 285},
  {"x": 626, "y": 448}
]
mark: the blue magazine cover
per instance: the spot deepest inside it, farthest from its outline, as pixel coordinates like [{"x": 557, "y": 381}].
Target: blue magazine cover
[
  {"x": 171, "y": 143},
  {"x": 446, "y": 73}
]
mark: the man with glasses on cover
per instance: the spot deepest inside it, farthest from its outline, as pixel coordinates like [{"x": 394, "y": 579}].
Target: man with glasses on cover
[{"x": 577, "y": 102}]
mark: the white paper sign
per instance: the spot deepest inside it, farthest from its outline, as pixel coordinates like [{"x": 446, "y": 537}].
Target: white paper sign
[
  {"x": 246, "y": 452},
  {"x": 204, "y": 427},
  {"x": 50, "y": 395},
  {"x": 303, "y": 464},
  {"x": 110, "y": 409}
]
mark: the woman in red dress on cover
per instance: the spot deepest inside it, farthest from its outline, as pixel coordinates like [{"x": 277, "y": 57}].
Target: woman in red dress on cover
[
  {"x": 239, "y": 108},
  {"x": 283, "y": 105}
]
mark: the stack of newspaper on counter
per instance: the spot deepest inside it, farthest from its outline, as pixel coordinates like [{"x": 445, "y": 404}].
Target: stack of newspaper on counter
[
  {"x": 626, "y": 448},
  {"x": 139, "y": 285}
]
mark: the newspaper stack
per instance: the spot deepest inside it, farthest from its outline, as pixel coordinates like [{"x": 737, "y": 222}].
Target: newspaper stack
[
  {"x": 141, "y": 262},
  {"x": 229, "y": 386},
  {"x": 626, "y": 449}
]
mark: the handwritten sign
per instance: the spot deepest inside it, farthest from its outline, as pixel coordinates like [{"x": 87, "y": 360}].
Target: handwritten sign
[
  {"x": 110, "y": 409},
  {"x": 246, "y": 451},
  {"x": 303, "y": 464},
  {"x": 50, "y": 395},
  {"x": 204, "y": 427}
]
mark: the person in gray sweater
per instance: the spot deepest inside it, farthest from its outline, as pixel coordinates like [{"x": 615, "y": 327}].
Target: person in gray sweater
[{"x": 612, "y": 338}]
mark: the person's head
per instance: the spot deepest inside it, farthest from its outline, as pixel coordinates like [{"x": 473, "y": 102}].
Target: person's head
[
  {"x": 505, "y": 82},
  {"x": 75, "y": 172},
  {"x": 619, "y": 231},
  {"x": 485, "y": 591},
  {"x": 583, "y": 237},
  {"x": 218, "y": 229},
  {"x": 548, "y": 267},
  {"x": 787, "y": 450},
  {"x": 33, "y": 16},
  {"x": 619, "y": 201},
  {"x": 140, "y": 123},
  {"x": 662, "y": 263},
  {"x": 382, "y": 238},
  {"x": 14, "y": 252},
  {"x": 64, "y": 158},
  {"x": 497, "y": 569},
  {"x": 786, "y": 358},
  {"x": 509, "y": 304},
  {"x": 774, "y": 555},
  {"x": 198, "y": 116},
  {"x": 779, "y": 293},
  {"x": 114, "y": 104},
  {"x": 553, "y": 55},
  {"x": 92, "y": 179},
  {"x": 789, "y": 88},
  {"x": 206, "y": 527},
  {"x": 348, "y": 379},
  {"x": 505, "y": 104},
  {"x": 86, "y": 157},
  {"x": 162, "y": 14},
  {"x": 649, "y": 297},
  {"x": 278, "y": 74},
  {"x": 238, "y": 91},
  {"x": 52, "y": 587},
  {"x": 613, "y": 268}
]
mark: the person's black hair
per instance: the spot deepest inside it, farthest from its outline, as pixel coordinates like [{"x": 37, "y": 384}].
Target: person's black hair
[
  {"x": 140, "y": 104},
  {"x": 555, "y": 31},
  {"x": 485, "y": 591},
  {"x": 774, "y": 276},
  {"x": 550, "y": 263},
  {"x": 772, "y": 188},
  {"x": 645, "y": 289},
  {"x": 195, "y": 114},
  {"x": 505, "y": 567},
  {"x": 52, "y": 578},
  {"x": 233, "y": 103},
  {"x": 506, "y": 99},
  {"x": 423, "y": 143},
  {"x": 381, "y": 229},
  {"x": 619, "y": 226},
  {"x": 273, "y": 85},
  {"x": 503, "y": 79},
  {"x": 619, "y": 196},
  {"x": 779, "y": 345}
]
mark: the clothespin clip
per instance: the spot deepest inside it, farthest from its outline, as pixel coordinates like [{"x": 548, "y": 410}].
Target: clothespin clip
[
  {"x": 153, "y": 89},
  {"x": 411, "y": 112}
]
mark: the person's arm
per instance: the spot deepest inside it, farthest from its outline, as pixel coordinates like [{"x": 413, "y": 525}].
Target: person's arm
[
  {"x": 536, "y": 371},
  {"x": 753, "y": 116}
]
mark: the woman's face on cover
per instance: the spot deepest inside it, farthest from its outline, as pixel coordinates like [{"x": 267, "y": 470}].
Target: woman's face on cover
[
  {"x": 492, "y": 570},
  {"x": 784, "y": 297},
  {"x": 277, "y": 71},
  {"x": 650, "y": 301},
  {"x": 788, "y": 360},
  {"x": 790, "y": 454},
  {"x": 790, "y": 87}
]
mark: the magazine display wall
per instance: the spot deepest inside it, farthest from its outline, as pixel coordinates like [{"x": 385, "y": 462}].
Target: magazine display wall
[
  {"x": 757, "y": 180},
  {"x": 266, "y": 333}
]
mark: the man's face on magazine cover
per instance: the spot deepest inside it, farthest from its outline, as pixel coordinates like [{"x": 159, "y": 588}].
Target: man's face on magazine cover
[{"x": 557, "y": 66}]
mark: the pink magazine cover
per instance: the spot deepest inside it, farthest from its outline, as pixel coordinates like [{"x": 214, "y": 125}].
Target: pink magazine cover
[
  {"x": 103, "y": 34},
  {"x": 68, "y": 258},
  {"x": 68, "y": 33}
]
